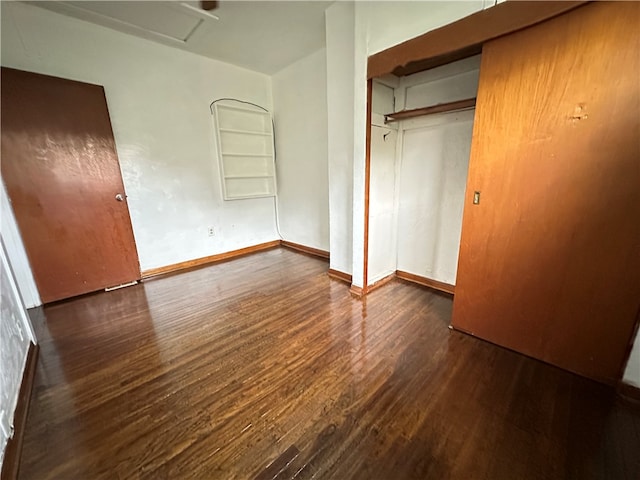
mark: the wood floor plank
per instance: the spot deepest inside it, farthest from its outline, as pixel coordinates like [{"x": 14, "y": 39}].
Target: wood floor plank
[{"x": 264, "y": 367}]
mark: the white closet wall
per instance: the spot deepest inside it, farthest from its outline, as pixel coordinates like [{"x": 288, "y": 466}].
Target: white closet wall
[
  {"x": 382, "y": 187},
  {"x": 433, "y": 177},
  {"x": 433, "y": 170}
]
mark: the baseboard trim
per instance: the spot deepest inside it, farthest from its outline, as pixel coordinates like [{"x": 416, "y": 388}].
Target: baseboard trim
[
  {"x": 357, "y": 291},
  {"x": 379, "y": 283},
  {"x": 426, "y": 282},
  {"x": 11, "y": 462},
  {"x": 406, "y": 276},
  {"x": 628, "y": 392},
  {"x": 338, "y": 275},
  {"x": 315, "y": 252},
  {"x": 176, "y": 267}
]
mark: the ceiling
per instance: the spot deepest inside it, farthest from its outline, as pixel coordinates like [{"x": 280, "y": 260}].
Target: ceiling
[{"x": 264, "y": 36}]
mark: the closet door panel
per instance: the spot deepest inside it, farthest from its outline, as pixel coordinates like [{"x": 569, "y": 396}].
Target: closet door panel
[{"x": 550, "y": 256}]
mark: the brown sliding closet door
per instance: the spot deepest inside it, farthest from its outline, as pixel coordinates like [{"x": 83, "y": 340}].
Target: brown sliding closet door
[
  {"x": 550, "y": 257},
  {"x": 61, "y": 170}
]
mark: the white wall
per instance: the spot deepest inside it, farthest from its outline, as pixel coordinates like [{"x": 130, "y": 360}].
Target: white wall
[
  {"x": 340, "y": 54},
  {"x": 392, "y": 22},
  {"x": 158, "y": 100},
  {"x": 435, "y": 163},
  {"x": 300, "y": 118},
  {"x": 455, "y": 81},
  {"x": 382, "y": 205},
  {"x": 382, "y": 186},
  {"x": 16, "y": 252},
  {"x": 632, "y": 372},
  {"x": 15, "y": 336},
  {"x": 361, "y": 37}
]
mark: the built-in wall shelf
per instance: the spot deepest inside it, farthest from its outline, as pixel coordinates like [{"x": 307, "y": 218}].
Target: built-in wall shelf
[
  {"x": 249, "y": 176},
  {"x": 225, "y": 106},
  {"x": 245, "y": 150},
  {"x": 440, "y": 108},
  {"x": 244, "y": 132},
  {"x": 239, "y": 154}
]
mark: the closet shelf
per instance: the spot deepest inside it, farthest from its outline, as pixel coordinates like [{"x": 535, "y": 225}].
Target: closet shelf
[
  {"x": 246, "y": 132},
  {"x": 440, "y": 108},
  {"x": 237, "y": 196},
  {"x": 238, "y": 154},
  {"x": 243, "y": 109},
  {"x": 248, "y": 176}
]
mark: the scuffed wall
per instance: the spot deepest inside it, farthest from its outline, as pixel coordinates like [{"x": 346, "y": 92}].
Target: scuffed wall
[{"x": 15, "y": 337}]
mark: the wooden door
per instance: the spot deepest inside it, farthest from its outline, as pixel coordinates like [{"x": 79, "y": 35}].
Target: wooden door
[
  {"x": 550, "y": 257},
  {"x": 61, "y": 171}
]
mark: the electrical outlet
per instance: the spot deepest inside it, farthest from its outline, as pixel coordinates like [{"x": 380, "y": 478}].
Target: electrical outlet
[{"x": 211, "y": 231}]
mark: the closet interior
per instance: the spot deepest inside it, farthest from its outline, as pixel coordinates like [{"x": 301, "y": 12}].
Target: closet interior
[{"x": 421, "y": 127}]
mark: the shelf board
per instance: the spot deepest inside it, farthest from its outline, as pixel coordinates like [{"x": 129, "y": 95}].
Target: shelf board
[
  {"x": 440, "y": 108},
  {"x": 248, "y": 176},
  {"x": 242, "y": 197},
  {"x": 243, "y": 109},
  {"x": 245, "y": 132},
  {"x": 264, "y": 155}
]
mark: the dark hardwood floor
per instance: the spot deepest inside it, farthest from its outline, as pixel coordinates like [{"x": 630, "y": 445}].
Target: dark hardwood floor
[{"x": 264, "y": 367}]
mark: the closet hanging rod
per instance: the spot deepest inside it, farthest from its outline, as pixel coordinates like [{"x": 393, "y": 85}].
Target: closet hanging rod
[{"x": 440, "y": 108}]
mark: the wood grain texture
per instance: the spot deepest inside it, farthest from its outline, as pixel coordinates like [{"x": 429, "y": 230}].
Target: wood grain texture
[
  {"x": 367, "y": 188},
  {"x": 338, "y": 275},
  {"x": 265, "y": 364},
  {"x": 357, "y": 291},
  {"x": 440, "y": 108},
  {"x": 61, "y": 170},
  {"x": 315, "y": 252},
  {"x": 426, "y": 282},
  {"x": 380, "y": 283},
  {"x": 13, "y": 451},
  {"x": 464, "y": 38},
  {"x": 219, "y": 257},
  {"x": 280, "y": 464},
  {"x": 549, "y": 261}
]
